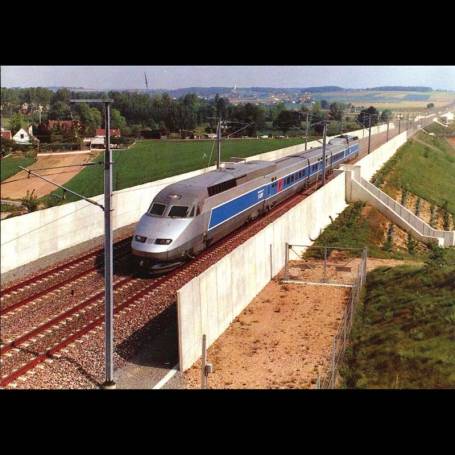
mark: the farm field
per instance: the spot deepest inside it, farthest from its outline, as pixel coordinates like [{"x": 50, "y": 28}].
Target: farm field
[
  {"x": 402, "y": 100},
  {"x": 16, "y": 186},
  {"x": 151, "y": 160},
  {"x": 9, "y": 166}
]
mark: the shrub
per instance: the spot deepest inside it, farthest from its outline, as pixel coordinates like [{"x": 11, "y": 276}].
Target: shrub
[{"x": 30, "y": 201}]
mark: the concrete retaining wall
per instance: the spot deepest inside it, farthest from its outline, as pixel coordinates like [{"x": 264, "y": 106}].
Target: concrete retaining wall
[
  {"x": 210, "y": 302},
  {"x": 35, "y": 235}
]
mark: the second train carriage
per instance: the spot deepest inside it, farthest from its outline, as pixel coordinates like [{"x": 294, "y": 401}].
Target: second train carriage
[{"x": 186, "y": 217}]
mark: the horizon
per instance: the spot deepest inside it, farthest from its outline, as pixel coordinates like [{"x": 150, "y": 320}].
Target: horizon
[{"x": 164, "y": 78}]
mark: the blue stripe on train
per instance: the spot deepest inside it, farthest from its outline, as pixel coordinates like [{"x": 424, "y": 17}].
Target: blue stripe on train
[{"x": 234, "y": 207}]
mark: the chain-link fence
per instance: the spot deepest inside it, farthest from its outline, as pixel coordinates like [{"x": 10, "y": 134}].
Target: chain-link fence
[
  {"x": 330, "y": 266},
  {"x": 341, "y": 339}
]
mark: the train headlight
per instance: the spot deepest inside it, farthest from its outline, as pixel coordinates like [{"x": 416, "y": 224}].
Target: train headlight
[
  {"x": 140, "y": 238},
  {"x": 163, "y": 241}
]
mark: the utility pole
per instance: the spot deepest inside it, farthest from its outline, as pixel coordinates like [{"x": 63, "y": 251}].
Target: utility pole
[
  {"x": 108, "y": 246},
  {"x": 108, "y": 253},
  {"x": 369, "y": 133},
  {"x": 218, "y": 144},
  {"x": 399, "y": 125},
  {"x": 324, "y": 136},
  {"x": 307, "y": 129}
]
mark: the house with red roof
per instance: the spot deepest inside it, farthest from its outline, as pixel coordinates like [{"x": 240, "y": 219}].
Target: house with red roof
[
  {"x": 6, "y": 134},
  {"x": 114, "y": 132}
]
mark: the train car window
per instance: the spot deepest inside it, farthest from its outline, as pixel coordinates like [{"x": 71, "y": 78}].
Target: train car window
[
  {"x": 178, "y": 211},
  {"x": 157, "y": 209},
  {"x": 192, "y": 212}
]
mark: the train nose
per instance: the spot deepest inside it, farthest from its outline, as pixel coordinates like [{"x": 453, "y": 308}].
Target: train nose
[{"x": 158, "y": 237}]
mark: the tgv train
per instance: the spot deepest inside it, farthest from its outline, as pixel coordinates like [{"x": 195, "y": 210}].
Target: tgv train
[{"x": 186, "y": 217}]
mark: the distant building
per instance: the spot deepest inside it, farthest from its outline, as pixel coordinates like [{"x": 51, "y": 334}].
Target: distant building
[
  {"x": 22, "y": 137},
  {"x": 114, "y": 132},
  {"x": 447, "y": 118},
  {"x": 6, "y": 134},
  {"x": 62, "y": 124}
]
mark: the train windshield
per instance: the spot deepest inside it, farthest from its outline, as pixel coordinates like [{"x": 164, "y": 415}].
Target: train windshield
[
  {"x": 157, "y": 209},
  {"x": 178, "y": 211}
]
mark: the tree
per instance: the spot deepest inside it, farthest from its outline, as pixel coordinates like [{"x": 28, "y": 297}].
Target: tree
[
  {"x": 324, "y": 104},
  {"x": 16, "y": 122},
  {"x": 287, "y": 120},
  {"x": 430, "y": 105},
  {"x": 386, "y": 115},
  {"x": 336, "y": 111},
  {"x": 364, "y": 116},
  {"x": 61, "y": 95},
  {"x": 117, "y": 119},
  {"x": 221, "y": 106},
  {"x": 59, "y": 111},
  {"x": 316, "y": 118}
]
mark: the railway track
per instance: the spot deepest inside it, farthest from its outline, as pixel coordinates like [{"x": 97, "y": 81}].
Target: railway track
[
  {"x": 46, "y": 341},
  {"x": 35, "y": 287}
]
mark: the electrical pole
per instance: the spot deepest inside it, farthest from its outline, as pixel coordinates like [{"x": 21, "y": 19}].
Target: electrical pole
[
  {"x": 399, "y": 125},
  {"x": 307, "y": 129},
  {"x": 108, "y": 253},
  {"x": 369, "y": 133},
  {"x": 218, "y": 141},
  {"x": 324, "y": 136},
  {"x": 108, "y": 247}
]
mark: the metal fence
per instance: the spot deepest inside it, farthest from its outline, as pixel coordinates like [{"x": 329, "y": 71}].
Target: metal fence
[{"x": 341, "y": 339}]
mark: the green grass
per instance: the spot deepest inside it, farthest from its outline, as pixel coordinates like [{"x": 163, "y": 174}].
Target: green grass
[
  {"x": 150, "y": 160},
  {"x": 9, "y": 165},
  {"x": 426, "y": 171},
  {"x": 404, "y": 329},
  {"x": 351, "y": 229}
]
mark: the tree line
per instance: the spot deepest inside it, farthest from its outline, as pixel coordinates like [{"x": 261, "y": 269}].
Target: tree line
[{"x": 134, "y": 112}]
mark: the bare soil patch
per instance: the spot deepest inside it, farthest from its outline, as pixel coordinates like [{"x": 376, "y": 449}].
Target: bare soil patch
[
  {"x": 283, "y": 339},
  {"x": 16, "y": 186}
]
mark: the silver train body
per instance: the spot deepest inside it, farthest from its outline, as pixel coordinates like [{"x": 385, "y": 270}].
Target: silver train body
[{"x": 186, "y": 217}]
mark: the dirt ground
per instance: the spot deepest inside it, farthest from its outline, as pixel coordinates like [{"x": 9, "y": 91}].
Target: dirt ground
[
  {"x": 17, "y": 185},
  {"x": 283, "y": 339}
]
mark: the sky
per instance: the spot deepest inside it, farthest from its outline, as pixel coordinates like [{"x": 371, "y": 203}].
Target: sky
[{"x": 171, "y": 77}]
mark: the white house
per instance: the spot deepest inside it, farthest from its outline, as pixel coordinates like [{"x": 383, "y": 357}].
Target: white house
[
  {"x": 446, "y": 118},
  {"x": 23, "y": 137}
]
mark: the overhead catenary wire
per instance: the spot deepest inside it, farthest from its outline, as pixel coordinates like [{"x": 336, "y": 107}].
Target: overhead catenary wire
[{"x": 69, "y": 165}]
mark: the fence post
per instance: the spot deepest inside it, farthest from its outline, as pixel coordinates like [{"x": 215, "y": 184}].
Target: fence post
[
  {"x": 286, "y": 262},
  {"x": 203, "y": 363},
  {"x": 271, "y": 263},
  {"x": 324, "y": 279},
  {"x": 332, "y": 379}
]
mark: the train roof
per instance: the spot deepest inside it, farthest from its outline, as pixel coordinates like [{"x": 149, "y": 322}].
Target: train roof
[{"x": 237, "y": 173}]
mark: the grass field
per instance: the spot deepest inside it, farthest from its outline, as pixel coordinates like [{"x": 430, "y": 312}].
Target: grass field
[
  {"x": 404, "y": 330},
  {"x": 354, "y": 229},
  {"x": 9, "y": 165},
  {"x": 151, "y": 160},
  {"x": 427, "y": 170}
]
